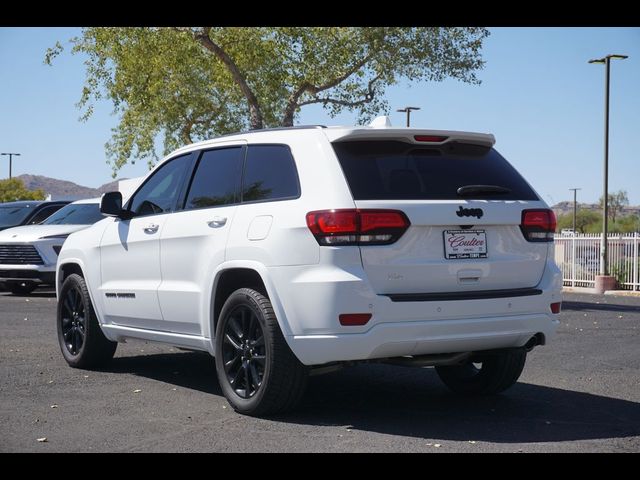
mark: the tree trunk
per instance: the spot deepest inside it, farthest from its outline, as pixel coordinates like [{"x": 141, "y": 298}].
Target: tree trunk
[
  {"x": 255, "y": 114},
  {"x": 287, "y": 120}
]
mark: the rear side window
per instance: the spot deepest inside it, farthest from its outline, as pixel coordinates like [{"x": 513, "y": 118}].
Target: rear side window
[
  {"x": 269, "y": 174},
  {"x": 217, "y": 179},
  {"x": 392, "y": 170}
]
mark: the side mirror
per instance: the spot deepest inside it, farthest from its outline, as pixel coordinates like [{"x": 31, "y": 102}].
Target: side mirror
[{"x": 111, "y": 206}]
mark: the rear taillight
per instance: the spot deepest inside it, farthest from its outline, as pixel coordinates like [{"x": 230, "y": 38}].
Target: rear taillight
[
  {"x": 357, "y": 227},
  {"x": 538, "y": 225}
]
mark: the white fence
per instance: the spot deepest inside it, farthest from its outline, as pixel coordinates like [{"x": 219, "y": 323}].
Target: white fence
[{"x": 579, "y": 259}]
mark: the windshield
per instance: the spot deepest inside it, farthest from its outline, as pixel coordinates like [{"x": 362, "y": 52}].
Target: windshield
[
  {"x": 76, "y": 214},
  {"x": 11, "y": 216}
]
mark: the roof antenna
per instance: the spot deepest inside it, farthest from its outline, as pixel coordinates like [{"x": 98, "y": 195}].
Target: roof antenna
[{"x": 382, "y": 121}]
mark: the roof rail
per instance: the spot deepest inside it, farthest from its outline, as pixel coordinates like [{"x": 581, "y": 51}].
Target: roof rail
[{"x": 276, "y": 129}]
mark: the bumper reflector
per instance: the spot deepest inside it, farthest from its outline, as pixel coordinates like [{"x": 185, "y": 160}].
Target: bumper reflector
[{"x": 354, "y": 319}]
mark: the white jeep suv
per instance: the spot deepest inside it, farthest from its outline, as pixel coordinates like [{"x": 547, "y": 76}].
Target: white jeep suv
[{"x": 296, "y": 251}]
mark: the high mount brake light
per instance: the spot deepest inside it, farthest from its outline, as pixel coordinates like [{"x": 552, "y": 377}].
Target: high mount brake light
[
  {"x": 429, "y": 138},
  {"x": 538, "y": 225},
  {"x": 357, "y": 227}
]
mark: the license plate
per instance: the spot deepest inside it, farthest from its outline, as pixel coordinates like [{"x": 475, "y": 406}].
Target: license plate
[{"x": 465, "y": 244}]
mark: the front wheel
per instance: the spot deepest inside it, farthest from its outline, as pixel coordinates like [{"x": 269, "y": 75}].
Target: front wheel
[
  {"x": 257, "y": 371},
  {"x": 81, "y": 340},
  {"x": 485, "y": 375}
]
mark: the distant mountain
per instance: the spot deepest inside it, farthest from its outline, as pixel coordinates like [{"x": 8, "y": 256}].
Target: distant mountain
[{"x": 65, "y": 190}]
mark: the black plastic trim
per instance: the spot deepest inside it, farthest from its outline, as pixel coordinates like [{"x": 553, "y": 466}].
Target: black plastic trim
[{"x": 450, "y": 296}]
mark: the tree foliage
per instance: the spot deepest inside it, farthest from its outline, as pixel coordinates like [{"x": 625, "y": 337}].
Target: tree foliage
[
  {"x": 584, "y": 220},
  {"x": 193, "y": 83},
  {"x": 588, "y": 221},
  {"x": 617, "y": 201},
  {"x": 13, "y": 189}
]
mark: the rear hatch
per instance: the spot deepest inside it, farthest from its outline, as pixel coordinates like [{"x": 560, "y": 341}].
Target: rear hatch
[{"x": 464, "y": 202}]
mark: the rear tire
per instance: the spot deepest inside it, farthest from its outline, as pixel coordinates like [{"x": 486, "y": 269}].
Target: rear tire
[
  {"x": 81, "y": 340},
  {"x": 25, "y": 289},
  {"x": 257, "y": 371},
  {"x": 498, "y": 371}
]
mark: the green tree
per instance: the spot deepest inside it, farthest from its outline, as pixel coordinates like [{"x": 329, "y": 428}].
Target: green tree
[
  {"x": 626, "y": 224},
  {"x": 13, "y": 189},
  {"x": 188, "y": 84},
  {"x": 584, "y": 220},
  {"x": 617, "y": 201}
]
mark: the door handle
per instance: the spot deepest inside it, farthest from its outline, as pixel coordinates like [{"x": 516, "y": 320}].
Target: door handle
[
  {"x": 151, "y": 228},
  {"x": 217, "y": 222}
]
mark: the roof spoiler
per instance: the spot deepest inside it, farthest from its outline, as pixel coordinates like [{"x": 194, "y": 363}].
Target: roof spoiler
[{"x": 416, "y": 136}]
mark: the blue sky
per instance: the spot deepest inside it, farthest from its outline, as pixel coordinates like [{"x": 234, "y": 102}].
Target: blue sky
[{"x": 539, "y": 97}]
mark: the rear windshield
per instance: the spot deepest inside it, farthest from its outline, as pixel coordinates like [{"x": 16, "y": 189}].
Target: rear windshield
[
  {"x": 75, "y": 214},
  {"x": 392, "y": 170}
]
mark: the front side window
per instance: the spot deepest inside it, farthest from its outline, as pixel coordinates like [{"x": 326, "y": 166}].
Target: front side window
[
  {"x": 76, "y": 214},
  {"x": 44, "y": 213},
  {"x": 269, "y": 174},
  {"x": 216, "y": 180},
  {"x": 160, "y": 193}
]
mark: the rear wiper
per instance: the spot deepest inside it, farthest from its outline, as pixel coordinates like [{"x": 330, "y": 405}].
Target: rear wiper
[{"x": 482, "y": 190}]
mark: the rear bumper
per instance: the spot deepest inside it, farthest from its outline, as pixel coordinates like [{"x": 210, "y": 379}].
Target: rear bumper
[
  {"x": 427, "y": 337},
  {"x": 312, "y": 298}
]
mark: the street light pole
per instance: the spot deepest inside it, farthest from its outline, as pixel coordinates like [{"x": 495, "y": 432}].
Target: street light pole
[
  {"x": 408, "y": 110},
  {"x": 575, "y": 190},
  {"x": 604, "y": 267},
  {"x": 10, "y": 160}
]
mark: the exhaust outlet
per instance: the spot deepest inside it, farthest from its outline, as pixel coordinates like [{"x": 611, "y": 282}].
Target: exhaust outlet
[{"x": 537, "y": 339}]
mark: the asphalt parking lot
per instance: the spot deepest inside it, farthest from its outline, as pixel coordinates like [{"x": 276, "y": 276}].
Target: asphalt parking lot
[{"x": 580, "y": 394}]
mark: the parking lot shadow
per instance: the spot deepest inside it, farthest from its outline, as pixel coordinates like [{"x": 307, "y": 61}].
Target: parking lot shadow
[
  {"x": 36, "y": 294},
  {"x": 185, "y": 369},
  {"x": 606, "y": 307},
  {"x": 413, "y": 402}
]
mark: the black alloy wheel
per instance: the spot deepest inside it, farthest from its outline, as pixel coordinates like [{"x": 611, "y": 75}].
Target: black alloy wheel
[
  {"x": 257, "y": 371},
  {"x": 73, "y": 321},
  {"x": 244, "y": 352},
  {"x": 81, "y": 340}
]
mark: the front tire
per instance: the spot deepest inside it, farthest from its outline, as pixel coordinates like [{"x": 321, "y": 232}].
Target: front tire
[
  {"x": 81, "y": 340},
  {"x": 485, "y": 375},
  {"x": 257, "y": 371}
]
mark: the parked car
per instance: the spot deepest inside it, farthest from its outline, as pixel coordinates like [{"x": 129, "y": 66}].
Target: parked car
[
  {"x": 298, "y": 251},
  {"x": 28, "y": 254},
  {"x": 14, "y": 214}
]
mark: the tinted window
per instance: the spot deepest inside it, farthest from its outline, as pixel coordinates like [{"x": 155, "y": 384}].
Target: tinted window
[
  {"x": 391, "y": 170},
  {"x": 11, "y": 216},
  {"x": 75, "y": 214},
  {"x": 160, "y": 192},
  {"x": 269, "y": 174},
  {"x": 44, "y": 213},
  {"x": 217, "y": 179}
]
